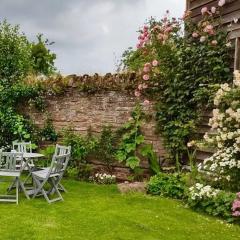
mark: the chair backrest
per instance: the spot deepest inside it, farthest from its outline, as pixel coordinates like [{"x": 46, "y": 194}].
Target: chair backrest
[
  {"x": 59, "y": 163},
  {"x": 23, "y": 147},
  {"x": 61, "y": 150},
  {"x": 10, "y": 161}
]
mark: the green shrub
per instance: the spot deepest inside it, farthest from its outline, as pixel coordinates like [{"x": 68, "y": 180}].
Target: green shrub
[
  {"x": 212, "y": 201},
  {"x": 168, "y": 185}
]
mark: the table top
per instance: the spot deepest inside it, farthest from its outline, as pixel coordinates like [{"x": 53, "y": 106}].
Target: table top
[{"x": 32, "y": 155}]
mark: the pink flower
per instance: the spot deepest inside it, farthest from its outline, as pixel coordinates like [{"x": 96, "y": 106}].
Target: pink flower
[
  {"x": 137, "y": 93},
  {"x": 236, "y": 214},
  {"x": 139, "y": 45},
  {"x": 168, "y": 29},
  {"x": 236, "y": 205},
  {"x": 204, "y": 10},
  {"x": 214, "y": 42},
  {"x": 140, "y": 87},
  {"x": 194, "y": 34},
  {"x": 147, "y": 65},
  {"x": 155, "y": 63},
  {"x": 146, "y": 102},
  {"x": 213, "y": 9},
  {"x": 208, "y": 28},
  {"x": 146, "y": 77},
  {"x": 221, "y": 3},
  {"x": 145, "y": 28},
  {"x": 202, "y": 39},
  {"x": 146, "y": 69}
]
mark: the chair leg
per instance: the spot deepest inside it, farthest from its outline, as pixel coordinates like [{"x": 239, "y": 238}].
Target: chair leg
[
  {"x": 17, "y": 186},
  {"x": 23, "y": 189}
]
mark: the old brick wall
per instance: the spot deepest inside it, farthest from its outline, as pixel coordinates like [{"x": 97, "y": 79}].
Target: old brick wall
[{"x": 81, "y": 110}]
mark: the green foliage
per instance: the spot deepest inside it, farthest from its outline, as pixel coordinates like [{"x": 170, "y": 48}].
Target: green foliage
[
  {"x": 106, "y": 147},
  {"x": 220, "y": 205},
  {"x": 15, "y": 54},
  {"x": 132, "y": 146},
  {"x": 169, "y": 185},
  {"x": 82, "y": 147},
  {"x": 182, "y": 81},
  {"x": 16, "y": 62},
  {"x": 43, "y": 58},
  {"x": 148, "y": 152},
  {"x": 48, "y": 132}
]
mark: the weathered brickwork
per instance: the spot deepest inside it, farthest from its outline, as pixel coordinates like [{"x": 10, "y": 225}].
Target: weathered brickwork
[{"x": 81, "y": 110}]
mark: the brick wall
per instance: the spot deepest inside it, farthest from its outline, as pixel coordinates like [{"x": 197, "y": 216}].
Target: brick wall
[{"x": 83, "y": 110}]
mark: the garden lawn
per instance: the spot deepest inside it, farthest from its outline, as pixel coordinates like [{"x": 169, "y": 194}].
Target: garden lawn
[{"x": 102, "y": 213}]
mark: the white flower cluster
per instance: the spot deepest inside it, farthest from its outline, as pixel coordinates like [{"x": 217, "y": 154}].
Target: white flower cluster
[
  {"x": 221, "y": 92},
  {"x": 225, "y": 125},
  {"x": 105, "y": 178},
  {"x": 199, "y": 191}
]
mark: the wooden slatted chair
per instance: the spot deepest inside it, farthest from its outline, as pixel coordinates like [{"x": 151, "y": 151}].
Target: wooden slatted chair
[
  {"x": 24, "y": 147},
  {"x": 61, "y": 150},
  {"x": 53, "y": 176},
  {"x": 9, "y": 167}
]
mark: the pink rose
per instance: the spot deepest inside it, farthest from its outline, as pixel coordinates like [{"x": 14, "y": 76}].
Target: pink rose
[
  {"x": 146, "y": 69},
  {"x": 145, "y": 28},
  {"x": 194, "y": 34},
  {"x": 221, "y": 3},
  {"x": 146, "y": 77},
  {"x": 139, "y": 45},
  {"x": 140, "y": 87},
  {"x": 213, "y": 9},
  {"x": 168, "y": 29},
  {"x": 155, "y": 63},
  {"x": 236, "y": 214},
  {"x": 202, "y": 39},
  {"x": 147, "y": 65},
  {"x": 208, "y": 29},
  {"x": 146, "y": 102},
  {"x": 137, "y": 93},
  {"x": 214, "y": 42},
  {"x": 204, "y": 10}
]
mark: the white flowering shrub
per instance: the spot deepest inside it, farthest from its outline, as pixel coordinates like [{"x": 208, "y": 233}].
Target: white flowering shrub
[
  {"x": 224, "y": 164},
  {"x": 213, "y": 201},
  {"x": 199, "y": 191},
  {"x": 104, "y": 178}
]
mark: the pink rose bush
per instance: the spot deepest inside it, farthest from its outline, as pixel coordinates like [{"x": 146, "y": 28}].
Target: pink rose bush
[{"x": 236, "y": 206}]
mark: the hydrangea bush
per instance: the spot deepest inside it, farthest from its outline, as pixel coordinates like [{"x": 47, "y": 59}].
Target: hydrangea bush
[{"x": 224, "y": 164}]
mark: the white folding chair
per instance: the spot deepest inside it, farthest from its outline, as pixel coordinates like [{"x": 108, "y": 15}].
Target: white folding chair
[
  {"x": 61, "y": 150},
  {"x": 24, "y": 147},
  {"x": 53, "y": 176},
  {"x": 11, "y": 165}
]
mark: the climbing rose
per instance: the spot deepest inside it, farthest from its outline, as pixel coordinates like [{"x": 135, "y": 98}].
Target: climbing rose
[
  {"x": 146, "y": 69},
  {"x": 194, "y": 34},
  {"x": 146, "y": 102},
  {"x": 221, "y": 3},
  {"x": 137, "y": 93},
  {"x": 202, "y": 39},
  {"x": 147, "y": 65},
  {"x": 204, "y": 10},
  {"x": 213, "y": 10},
  {"x": 146, "y": 77},
  {"x": 214, "y": 42},
  {"x": 155, "y": 63}
]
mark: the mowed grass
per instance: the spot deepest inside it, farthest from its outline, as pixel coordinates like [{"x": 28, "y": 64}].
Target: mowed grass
[{"x": 100, "y": 212}]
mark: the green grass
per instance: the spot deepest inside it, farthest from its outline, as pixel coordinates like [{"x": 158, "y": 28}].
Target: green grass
[{"x": 92, "y": 212}]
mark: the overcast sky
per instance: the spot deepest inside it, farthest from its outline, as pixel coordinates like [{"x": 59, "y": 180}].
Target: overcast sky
[{"x": 89, "y": 35}]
